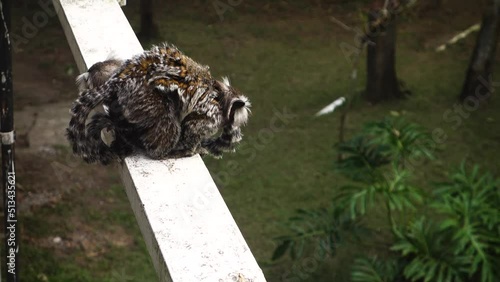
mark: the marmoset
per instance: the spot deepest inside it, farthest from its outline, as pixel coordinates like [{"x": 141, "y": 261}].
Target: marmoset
[{"x": 160, "y": 103}]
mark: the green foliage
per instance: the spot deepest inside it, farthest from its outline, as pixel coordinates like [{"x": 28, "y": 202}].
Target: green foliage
[
  {"x": 393, "y": 189},
  {"x": 465, "y": 244},
  {"x": 405, "y": 140},
  {"x": 470, "y": 202},
  {"x": 376, "y": 270},
  {"x": 366, "y": 159},
  {"x": 375, "y": 161},
  {"x": 361, "y": 159},
  {"x": 462, "y": 243},
  {"x": 429, "y": 253},
  {"x": 321, "y": 228},
  {"x": 392, "y": 140}
]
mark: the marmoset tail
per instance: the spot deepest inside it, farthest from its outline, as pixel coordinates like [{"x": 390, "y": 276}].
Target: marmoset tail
[{"x": 160, "y": 103}]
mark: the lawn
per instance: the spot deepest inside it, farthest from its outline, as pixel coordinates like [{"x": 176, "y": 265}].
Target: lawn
[{"x": 286, "y": 58}]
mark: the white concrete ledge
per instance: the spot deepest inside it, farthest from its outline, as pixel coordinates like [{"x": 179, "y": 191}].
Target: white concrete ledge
[{"x": 187, "y": 227}]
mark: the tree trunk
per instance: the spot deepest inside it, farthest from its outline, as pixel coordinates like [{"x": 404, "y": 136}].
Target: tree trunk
[
  {"x": 148, "y": 27},
  {"x": 478, "y": 84},
  {"x": 382, "y": 82}
]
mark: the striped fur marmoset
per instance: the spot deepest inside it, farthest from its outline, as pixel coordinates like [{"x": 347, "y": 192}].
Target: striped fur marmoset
[{"x": 160, "y": 103}]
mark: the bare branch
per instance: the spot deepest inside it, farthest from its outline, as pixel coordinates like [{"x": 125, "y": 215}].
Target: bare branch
[{"x": 458, "y": 37}]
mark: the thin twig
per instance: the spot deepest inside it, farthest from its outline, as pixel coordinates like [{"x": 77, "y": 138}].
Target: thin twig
[
  {"x": 348, "y": 107},
  {"x": 341, "y": 24},
  {"x": 458, "y": 37}
]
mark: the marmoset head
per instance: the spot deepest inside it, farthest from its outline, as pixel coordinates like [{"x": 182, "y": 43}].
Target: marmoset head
[
  {"x": 97, "y": 74},
  {"x": 236, "y": 106}
]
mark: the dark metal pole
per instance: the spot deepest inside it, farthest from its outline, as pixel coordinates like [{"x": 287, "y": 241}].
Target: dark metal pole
[{"x": 11, "y": 268}]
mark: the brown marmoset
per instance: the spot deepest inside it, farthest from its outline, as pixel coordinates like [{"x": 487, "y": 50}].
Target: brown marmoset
[{"x": 160, "y": 103}]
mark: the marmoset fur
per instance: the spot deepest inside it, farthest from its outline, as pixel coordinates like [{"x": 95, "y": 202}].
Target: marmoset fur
[{"x": 160, "y": 103}]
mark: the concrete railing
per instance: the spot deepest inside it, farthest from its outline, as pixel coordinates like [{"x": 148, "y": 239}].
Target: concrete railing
[{"x": 188, "y": 229}]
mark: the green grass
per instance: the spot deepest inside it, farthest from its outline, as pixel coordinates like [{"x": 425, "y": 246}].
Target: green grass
[
  {"x": 292, "y": 61},
  {"x": 121, "y": 254}
]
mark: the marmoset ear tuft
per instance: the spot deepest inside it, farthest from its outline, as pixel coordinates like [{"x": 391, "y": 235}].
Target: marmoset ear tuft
[
  {"x": 226, "y": 81},
  {"x": 82, "y": 82},
  {"x": 240, "y": 109},
  {"x": 238, "y": 104}
]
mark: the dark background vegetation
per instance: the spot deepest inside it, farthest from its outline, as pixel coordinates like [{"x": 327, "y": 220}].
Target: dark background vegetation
[{"x": 76, "y": 222}]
